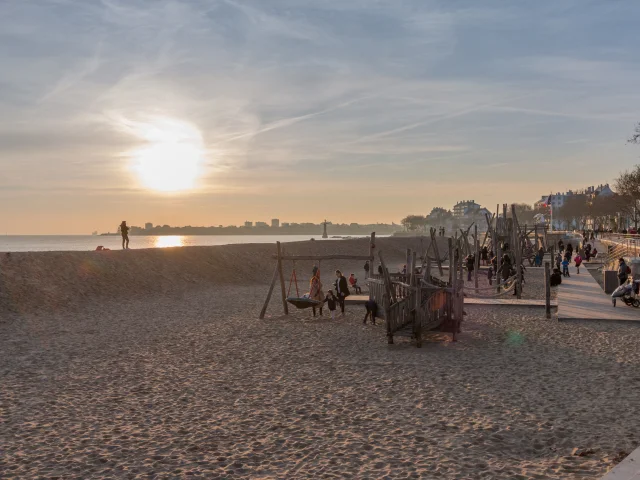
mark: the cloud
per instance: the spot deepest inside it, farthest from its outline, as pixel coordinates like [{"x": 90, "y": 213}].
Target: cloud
[{"x": 375, "y": 89}]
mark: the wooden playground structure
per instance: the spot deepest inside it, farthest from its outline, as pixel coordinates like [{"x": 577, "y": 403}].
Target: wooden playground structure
[
  {"x": 409, "y": 303},
  {"x": 416, "y": 301}
]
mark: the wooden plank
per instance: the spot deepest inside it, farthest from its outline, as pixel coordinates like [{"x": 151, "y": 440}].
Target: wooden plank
[
  {"x": 266, "y": 302},
  {"x": 283, "y": 295}
]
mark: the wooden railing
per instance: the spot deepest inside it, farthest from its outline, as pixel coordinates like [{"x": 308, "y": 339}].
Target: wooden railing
[{"x": 377, "y": 293}]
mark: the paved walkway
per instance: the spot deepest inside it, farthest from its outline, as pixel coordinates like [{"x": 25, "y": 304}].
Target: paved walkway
[
  {"x": 581, "y": 298},
  {"x": 628, "y": 469}
]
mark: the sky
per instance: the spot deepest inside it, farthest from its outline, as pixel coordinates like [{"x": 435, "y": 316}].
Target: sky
[{"x": 208, "y": 112}]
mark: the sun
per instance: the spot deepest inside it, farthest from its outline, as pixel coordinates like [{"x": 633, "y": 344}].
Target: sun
[{"x": 171, "y": 156}]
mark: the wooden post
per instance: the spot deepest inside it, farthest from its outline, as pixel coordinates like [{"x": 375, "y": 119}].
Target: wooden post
[
  {"x": 266, "y": 302},
  {"x": 285, "y": 305},
  {"x": 408, "y": 266},
  {"x": 372, "y": 246},
  {"x": 387, "y": 280},
  {"x": 547, "y": 289},
  {"x": 412, "y": 275},
  {"x": 434, "y": 242},
  {"x": 476, "y": 265},
  {"x": 460, "y": 262},
  {"x": 536, "y": 233},
  {"x": 517, "y": 245},
  {"x": 452, "y": 262},
  {"x": 498, "y": 265}
]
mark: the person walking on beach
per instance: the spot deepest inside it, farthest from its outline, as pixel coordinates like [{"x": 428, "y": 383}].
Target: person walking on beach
[
  {"x": 124, "y": 231},
  {"x": 331, "y": 303},
  {"x": 380, "y": 269},
  {"x": 578, "y": 260},
  {"x": 315, "y": 289},
  {"x": 558, "y": 260},
  {"x": 490, "y": 274},
  {"x": 367, "y": 267},
  {"x": 560, "y": 245},
  {"x": 342, "y": 289}
]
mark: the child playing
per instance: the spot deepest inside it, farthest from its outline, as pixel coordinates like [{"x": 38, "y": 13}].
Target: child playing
[
  {"x": 565, "y": 268},
  {"x": 332, "y": 301},
  {"x": 578, "y": 261},
  {"x": 372, "y": 311},
  {"x": 353, "y": 281},
  {"x": 490, "y": 274}
]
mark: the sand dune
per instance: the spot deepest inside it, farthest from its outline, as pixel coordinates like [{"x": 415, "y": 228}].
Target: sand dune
[{"x": 44, "y": 281}]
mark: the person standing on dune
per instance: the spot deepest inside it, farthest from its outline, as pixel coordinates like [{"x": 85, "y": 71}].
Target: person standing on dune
[{"x": 124, "y": 231}]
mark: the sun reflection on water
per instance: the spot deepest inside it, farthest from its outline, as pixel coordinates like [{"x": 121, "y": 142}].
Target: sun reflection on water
[{"x": 169, "y": 241}]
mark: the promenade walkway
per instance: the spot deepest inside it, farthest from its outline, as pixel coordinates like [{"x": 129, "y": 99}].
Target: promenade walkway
[
  {"x": 581, "y": 298},
  {"x": 628, "y": 469}
]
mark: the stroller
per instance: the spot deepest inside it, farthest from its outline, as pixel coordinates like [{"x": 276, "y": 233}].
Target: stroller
[{"x": 628, "y": 293}]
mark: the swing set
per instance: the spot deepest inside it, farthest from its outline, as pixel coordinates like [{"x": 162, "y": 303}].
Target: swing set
[{"x": 298, "y": 301}]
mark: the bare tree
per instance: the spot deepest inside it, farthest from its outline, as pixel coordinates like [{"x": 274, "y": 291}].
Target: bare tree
[
  {"x": 628, "y": 186},
  {"x": 635, "y": 138}
]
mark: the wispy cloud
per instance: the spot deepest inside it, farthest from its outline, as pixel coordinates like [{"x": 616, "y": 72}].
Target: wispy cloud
[{"x": 350, "y": 93}]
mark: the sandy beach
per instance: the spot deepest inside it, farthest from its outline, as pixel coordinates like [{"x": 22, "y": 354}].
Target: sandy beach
[{"x": 153, "y": 364}]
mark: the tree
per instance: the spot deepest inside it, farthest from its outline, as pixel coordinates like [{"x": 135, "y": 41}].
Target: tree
[
  {"x": 413, "y": 222},
  {"x": 574, "y": 212},
  {"x": 438, "y": 216},
  {"x": 524, "y": 212},
  {"x": 635, "y": 138},
  {"x": 628, "y": 187}
]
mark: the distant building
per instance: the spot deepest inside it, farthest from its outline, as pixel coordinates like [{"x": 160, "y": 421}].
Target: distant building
[
  {"x": 262, "y": 224},
  {"x": 248, "y": 224},
  {"x": 285, "y": 224},
  {"x": 275, "y": 223},
  {"x": 465, "y": 207},
  {"x": 148, "y": 226}
]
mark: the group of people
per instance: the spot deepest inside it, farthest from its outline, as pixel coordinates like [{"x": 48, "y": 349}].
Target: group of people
[
  {"x": 506, "y": 270},
  {"x": 564, "y": 257},
  {"x": 333, "y": 298}
]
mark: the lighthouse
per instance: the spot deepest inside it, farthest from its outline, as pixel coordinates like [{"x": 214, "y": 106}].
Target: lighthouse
[{"x": 324, "y": 231}]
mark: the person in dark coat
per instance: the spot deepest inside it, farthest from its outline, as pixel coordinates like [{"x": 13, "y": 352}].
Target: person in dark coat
[
  {"x": 471, "y": 264},
  {"x": 484, "y": 256},
  {"x": 623, "y": 271},
  {"x": 367, "y": 267},
  {"x": 342, "y": 289}
]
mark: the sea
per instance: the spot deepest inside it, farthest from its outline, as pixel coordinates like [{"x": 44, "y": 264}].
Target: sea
[{"x": 64, "y": 243}]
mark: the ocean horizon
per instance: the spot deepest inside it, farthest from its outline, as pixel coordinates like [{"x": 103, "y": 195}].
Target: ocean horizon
[{"x": 63, "y": 243}]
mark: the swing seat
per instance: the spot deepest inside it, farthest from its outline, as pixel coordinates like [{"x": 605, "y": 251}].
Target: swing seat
[{"x": 303, "y": 302}]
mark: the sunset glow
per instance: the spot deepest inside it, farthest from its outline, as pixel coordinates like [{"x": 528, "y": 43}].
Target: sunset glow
[{"x": 171, "y": 158}]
